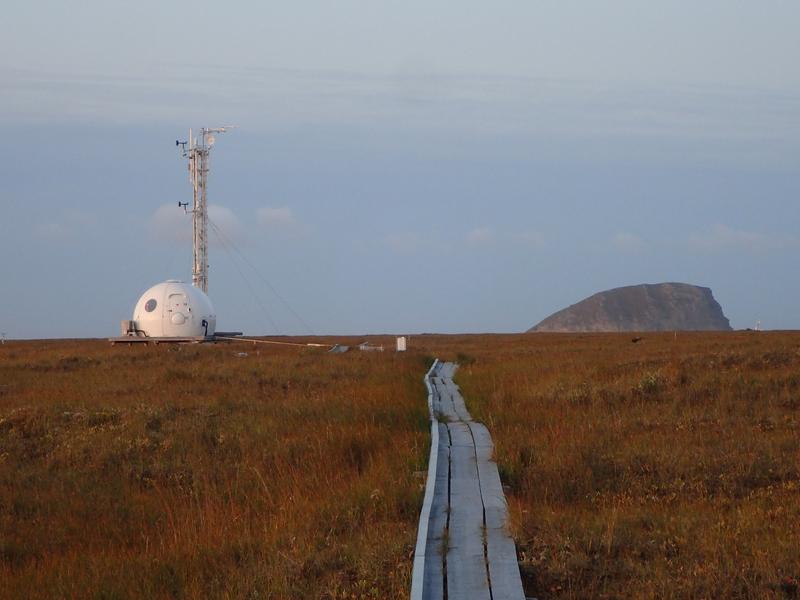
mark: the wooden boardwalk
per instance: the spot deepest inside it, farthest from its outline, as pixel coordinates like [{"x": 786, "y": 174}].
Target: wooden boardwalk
[{"x": 463, "y": 548}]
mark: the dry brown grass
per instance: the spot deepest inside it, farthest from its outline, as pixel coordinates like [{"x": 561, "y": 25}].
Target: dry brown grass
[
  {"x": 668, "y": 468},
  {"x": 189, "y": 472}
]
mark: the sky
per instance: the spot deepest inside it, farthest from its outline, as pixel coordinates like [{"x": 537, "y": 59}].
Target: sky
[{"x": 398, "y": 167}]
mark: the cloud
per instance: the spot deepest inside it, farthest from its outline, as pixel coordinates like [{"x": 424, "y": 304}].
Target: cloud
[
  {"x": 281, "y": 219},
  {"x": 404, "y": 243},
  {"x": 730, "y": 123},
  {"x": 51, "y": 230},
  {"x": 721, "y": 238},
  {"x": 486, "y": 236},
  {"x": 171, "y": 224},
  {"x": 269, "y": 216},
  {"x": 534, "y": 239},
  {"x": 627, "y": 242},
  {"x": 71, "y": 225},
  {"x": 480, "y": 236},
  {"x": 226, "y": 222}
]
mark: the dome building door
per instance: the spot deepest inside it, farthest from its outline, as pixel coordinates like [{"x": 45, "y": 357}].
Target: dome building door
[{"x": 178, "y": 309}]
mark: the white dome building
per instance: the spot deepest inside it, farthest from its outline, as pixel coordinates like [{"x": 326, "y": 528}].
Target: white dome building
[{"x": 174, "y": 309}]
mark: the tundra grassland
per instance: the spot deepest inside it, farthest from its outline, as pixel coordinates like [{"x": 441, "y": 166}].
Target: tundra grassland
[
  {"x": 201, "y": 472},
  {"x": 666, "y": 468},
  {"x": 659, "y": 469}
]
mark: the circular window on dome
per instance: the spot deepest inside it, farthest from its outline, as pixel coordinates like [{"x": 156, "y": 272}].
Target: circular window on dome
[{"x": 150, "y": 305}]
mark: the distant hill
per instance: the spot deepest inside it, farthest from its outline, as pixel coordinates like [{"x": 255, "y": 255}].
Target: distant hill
[{"x": 646, "y": 307}]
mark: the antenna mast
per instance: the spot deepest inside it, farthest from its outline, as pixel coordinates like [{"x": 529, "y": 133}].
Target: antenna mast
[{"x": 198, "y": 151}]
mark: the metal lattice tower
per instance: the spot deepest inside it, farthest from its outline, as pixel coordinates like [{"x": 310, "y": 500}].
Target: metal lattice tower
[{"x": 198, "y": 151}]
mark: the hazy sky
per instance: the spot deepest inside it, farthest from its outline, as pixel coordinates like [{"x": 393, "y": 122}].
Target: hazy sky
[{"x": 398, "y": 166}]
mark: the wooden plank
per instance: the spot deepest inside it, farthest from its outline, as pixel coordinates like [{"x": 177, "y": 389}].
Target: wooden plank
[
  {"x": 500, "y": 549},
  {"x": 447, "y": 409},
  {"x": 459, "y": 406},
  {"x": 445, "y": 404},
  {"x": 424, "y": 575},
  {"x": 433, "y": 579},
  {"x": 466, "y": 565},
  {"x": 482, "y": 439},
  {"x": 460, "y": 435},
  {"x": 446, "y": 370}
]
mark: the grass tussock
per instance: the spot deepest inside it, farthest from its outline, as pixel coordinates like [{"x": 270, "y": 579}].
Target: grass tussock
[
  {"x": 191, "y": 472},
  {"x": 668, "y": 468}
]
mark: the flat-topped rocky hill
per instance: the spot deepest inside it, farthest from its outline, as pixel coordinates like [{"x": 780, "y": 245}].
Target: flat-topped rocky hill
[{"x": 646, "y": 307}]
